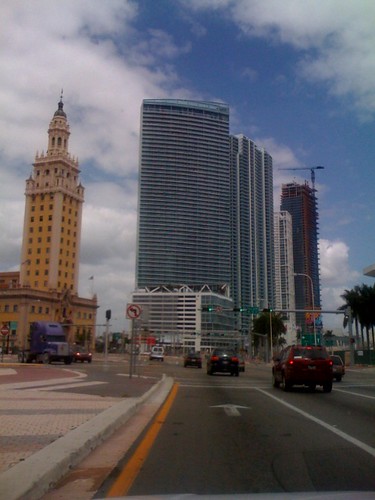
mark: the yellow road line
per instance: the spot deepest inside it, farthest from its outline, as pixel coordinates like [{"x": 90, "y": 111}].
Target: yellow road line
[{"x": 127, "y": 476}]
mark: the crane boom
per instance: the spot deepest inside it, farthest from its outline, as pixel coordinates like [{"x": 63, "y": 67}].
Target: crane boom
[{"x": 312, "y": 169}]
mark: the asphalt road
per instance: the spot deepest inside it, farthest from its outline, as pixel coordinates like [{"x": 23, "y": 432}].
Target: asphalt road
[{"x": 226, "y": 435}]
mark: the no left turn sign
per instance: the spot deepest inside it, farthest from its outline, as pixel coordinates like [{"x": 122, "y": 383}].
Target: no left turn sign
[{"x": 133, "y": 311}]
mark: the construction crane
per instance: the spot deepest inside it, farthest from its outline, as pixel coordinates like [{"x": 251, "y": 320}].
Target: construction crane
[{"x": 312, "y": 169}]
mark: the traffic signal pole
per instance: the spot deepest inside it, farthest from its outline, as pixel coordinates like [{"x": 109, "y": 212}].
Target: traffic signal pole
[{"x": 351, "y": 338}]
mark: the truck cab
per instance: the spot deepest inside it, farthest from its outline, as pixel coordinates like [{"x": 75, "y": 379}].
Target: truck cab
[{"x": 47, "y": 343}]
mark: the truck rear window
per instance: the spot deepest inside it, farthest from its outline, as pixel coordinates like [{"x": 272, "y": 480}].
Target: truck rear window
[{"x": 310, "y": 353}]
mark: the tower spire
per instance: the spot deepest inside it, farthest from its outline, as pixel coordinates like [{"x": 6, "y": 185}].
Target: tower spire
[{"x": 60, "y": 111}]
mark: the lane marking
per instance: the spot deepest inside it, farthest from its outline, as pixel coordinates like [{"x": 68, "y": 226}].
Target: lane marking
[
  {"x": 209, "y": 386},
  {"x": 363, "y": 446},
  {"x": 128, "y": 474},
  {"x": 231, "y": 410},
  {"x": 355, "y": 394}
]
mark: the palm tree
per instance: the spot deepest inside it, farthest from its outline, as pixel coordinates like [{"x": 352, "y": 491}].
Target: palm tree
[
  {"x": 361, "y": 299},
  {"x": 352, "y": 299},
  {"x": 261, "y": 325}
]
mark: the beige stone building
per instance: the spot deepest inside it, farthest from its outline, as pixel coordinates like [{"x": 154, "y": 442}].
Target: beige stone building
[{"x": 46, "y": 286}]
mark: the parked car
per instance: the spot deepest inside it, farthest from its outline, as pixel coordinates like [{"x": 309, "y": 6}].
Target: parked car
[
  {"x": 303, "y": 365},
  {"x": 193, "y": 359},
  {"x": 157, "y": 352},
  {"x": 223, "y": 361},
  {"x": 338, "y": 368},
  {"x": 81, "y": 354}
]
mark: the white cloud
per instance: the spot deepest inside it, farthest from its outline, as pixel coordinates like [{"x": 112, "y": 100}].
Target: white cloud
[
  {"x": 106, "y": 68},
  {"x": 44, "y": 49},
  {"x": 336, "y": 276},
  {"x": 108, "y": 246},
  {"x": 335, "y": 39},
  {"x": 334, "y": 263}
]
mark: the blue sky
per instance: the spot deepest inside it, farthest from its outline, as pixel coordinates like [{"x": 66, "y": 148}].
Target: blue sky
[{"x": 299, "y": 77}]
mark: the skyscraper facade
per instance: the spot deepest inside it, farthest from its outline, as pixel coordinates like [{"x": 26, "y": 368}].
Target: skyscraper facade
[
  {"x": 205, "y": 218},
  {"x": 284, "y": 272},
  {"x": 252, "y": 241},
  {"x": 184, "y": 194},
  {"x": 300, "y": 201}
]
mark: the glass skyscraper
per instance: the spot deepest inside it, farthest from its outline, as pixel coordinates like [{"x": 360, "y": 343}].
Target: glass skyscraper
[{"x": 184, "y": 194}]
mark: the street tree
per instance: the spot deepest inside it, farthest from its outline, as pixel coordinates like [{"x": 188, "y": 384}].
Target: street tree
[{"x": 261, "y": 325}]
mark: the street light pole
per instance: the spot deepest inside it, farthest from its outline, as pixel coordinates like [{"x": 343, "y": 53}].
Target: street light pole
[
  {"x": 312, "y": 298},
  {"x": 271, "y": 334}
]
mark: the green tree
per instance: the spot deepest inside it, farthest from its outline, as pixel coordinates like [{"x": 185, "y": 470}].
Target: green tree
[
  {"x": 361, "y": 299},
  {"x": 261, "y": 325}
]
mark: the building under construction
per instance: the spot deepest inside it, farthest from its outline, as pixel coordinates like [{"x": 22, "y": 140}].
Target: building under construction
[{"x": 300, "y": 201}]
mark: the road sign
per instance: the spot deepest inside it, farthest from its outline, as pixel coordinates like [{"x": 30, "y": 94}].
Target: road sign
[
  {"x": 4, "y": 330},
  {"x": 133, "y": 311},
  {"x": 253, "y": 310}
]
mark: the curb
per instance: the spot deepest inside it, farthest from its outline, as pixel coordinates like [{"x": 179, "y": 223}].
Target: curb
[{"x": 38, "y": 473}]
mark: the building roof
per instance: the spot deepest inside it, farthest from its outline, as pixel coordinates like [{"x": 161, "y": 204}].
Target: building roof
[{"x": 369, "y": 271}]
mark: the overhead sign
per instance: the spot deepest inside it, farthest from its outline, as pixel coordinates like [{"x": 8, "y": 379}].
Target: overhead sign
[
  {"x": 253, "y": 310},
  {"x": 133, "y": 311},
  {"x": 4, "y": 330}
]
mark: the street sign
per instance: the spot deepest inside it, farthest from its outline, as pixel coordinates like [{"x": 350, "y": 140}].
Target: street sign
[
  {"x": 133, "y": 311},
  {"x": 253, "y": 310},
  {"x": 4, "y": 330}
]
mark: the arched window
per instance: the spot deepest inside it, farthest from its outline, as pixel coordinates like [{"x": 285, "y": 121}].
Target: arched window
[{"x": 59, "y": 141}]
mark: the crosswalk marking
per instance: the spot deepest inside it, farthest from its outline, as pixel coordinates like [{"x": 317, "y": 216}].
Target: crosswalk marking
[{"x": 66, "y": 386}]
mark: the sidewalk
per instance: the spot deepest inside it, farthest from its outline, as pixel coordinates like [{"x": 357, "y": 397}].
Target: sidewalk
[{"x": 44, "y": 433}]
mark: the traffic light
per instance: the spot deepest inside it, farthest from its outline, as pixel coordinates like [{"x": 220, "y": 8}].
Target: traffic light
[
  {"x": 108, "y": 314},
  {"x": 207, "y": 308},
  {"x": 238, "y": 309},
  {"x": 268, "y": 310}
]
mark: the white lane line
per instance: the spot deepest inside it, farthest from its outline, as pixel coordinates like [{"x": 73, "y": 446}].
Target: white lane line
[
  {"x": 363, "y": 446},
  {"x": 355, "y": 394},
  {"x": 207, "y": 386}
]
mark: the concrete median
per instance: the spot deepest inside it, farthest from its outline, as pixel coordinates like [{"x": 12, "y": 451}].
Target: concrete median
[{"x": 38, "y": 473}]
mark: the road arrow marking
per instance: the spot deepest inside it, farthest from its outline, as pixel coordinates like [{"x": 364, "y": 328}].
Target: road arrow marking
[{"x": 231, "y": 410}]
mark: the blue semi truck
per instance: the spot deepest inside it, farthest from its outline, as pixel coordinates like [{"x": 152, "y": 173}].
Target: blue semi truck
[{"x": 46, "y": 343}]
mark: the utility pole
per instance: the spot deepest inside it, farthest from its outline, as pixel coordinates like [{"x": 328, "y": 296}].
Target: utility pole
[{"x": 350, "y": 331}]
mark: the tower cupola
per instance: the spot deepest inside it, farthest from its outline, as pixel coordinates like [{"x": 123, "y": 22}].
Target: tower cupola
[
  {"x": 58, "y": 132},
  {"x": 60, "y": 111}
]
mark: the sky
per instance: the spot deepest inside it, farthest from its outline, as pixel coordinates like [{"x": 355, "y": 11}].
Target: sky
[{"x": 298, "y": 76}]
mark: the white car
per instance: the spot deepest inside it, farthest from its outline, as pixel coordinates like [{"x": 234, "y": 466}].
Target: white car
[{"x": 157, "y": 352}]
